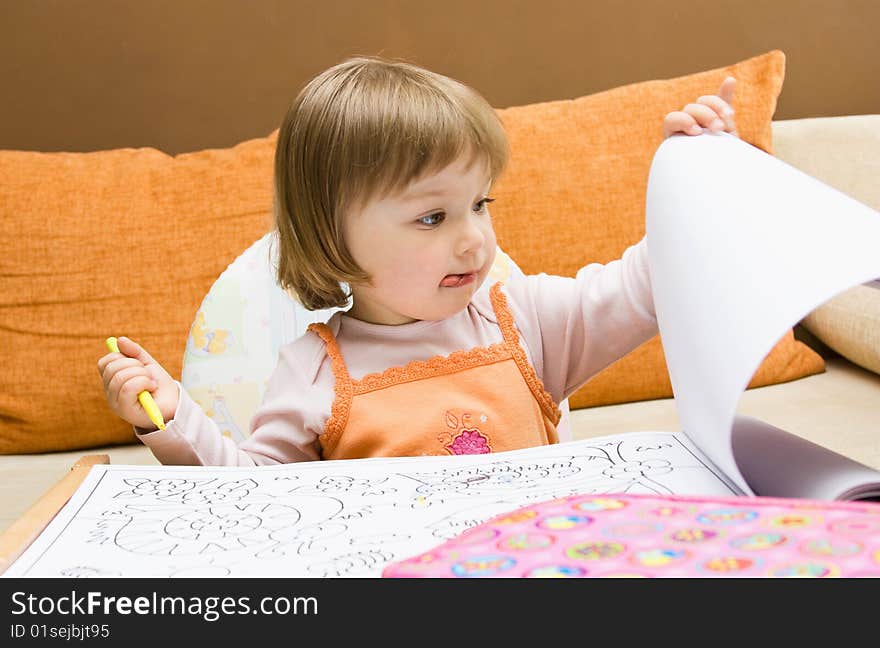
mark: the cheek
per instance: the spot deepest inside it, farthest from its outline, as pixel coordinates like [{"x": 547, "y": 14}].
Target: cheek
[
  {"x": 489, "y": 234},
  {"x": 405, "y": 265}
]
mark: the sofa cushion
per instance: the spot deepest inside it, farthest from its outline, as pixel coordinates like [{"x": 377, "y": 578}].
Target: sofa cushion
[
  {"x": 574, "y": 193},
  {"x": 121, "y": 242},
  {"x": 850, "y": 324},
  {"x": 843, "y": 152}
]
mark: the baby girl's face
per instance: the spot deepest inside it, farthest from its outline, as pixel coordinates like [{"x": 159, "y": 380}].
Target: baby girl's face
[{"x": 427, "y": 249}]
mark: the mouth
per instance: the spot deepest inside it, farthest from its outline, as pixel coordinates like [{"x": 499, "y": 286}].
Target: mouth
[{"x": 458, "y": 280}]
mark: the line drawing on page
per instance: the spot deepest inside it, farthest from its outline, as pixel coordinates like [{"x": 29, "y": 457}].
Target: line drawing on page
[{"x": 331, "y": 519}]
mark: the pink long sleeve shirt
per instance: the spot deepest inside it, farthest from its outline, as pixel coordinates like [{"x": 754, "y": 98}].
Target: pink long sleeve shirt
[{"x": 570, "y": 329}]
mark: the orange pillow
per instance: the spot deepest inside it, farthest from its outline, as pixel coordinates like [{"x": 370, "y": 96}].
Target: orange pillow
[
  {"x": 574, "y": 193},
  {"x": 122, "y": 242}
]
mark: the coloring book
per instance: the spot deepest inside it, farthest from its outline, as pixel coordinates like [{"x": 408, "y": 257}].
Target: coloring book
[{"x": 742, "y": 247}]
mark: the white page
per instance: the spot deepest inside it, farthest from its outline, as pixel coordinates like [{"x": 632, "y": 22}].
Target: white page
[
  {"x": 334, "y": 518},
  {"x": 742, "y": 246}
]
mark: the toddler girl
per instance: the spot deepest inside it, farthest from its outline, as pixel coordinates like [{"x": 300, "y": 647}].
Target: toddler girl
[{"x": 383, "y": 172}]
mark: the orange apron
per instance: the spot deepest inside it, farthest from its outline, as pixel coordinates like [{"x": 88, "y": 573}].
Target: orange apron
[{"x": 486, "y": 399}]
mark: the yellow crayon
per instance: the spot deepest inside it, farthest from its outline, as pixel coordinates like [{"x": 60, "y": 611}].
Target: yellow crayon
[{"x": 146, "y": 400}]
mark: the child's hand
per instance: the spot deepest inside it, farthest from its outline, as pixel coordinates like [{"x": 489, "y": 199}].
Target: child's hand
[
  {"x": 713, "y": 112},
  {"x": 130, "y": 372}
]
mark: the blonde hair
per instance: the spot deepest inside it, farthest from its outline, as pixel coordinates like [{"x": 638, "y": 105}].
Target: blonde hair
[{"x": 363, "y": 128}]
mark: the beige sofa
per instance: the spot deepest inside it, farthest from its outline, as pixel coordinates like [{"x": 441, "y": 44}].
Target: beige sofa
[{"x": 839, "y": 409}]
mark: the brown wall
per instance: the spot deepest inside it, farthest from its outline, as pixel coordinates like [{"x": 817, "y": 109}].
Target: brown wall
[{"x": 183, "y": 75}]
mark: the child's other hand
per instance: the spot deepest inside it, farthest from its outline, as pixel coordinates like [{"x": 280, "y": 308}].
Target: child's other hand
[
  {"x": 130, "y": 372},
  {"x": 713, "y": 112}
]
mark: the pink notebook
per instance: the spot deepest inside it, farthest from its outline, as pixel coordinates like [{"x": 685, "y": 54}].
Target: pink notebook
[{"x": 586, "y": 536}]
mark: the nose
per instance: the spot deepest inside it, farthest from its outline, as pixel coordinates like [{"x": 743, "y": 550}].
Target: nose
[{"x": 471, "y": 238}]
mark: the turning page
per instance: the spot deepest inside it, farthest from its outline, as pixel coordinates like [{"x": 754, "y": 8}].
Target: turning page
[{"x": 742, "y": 246}]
